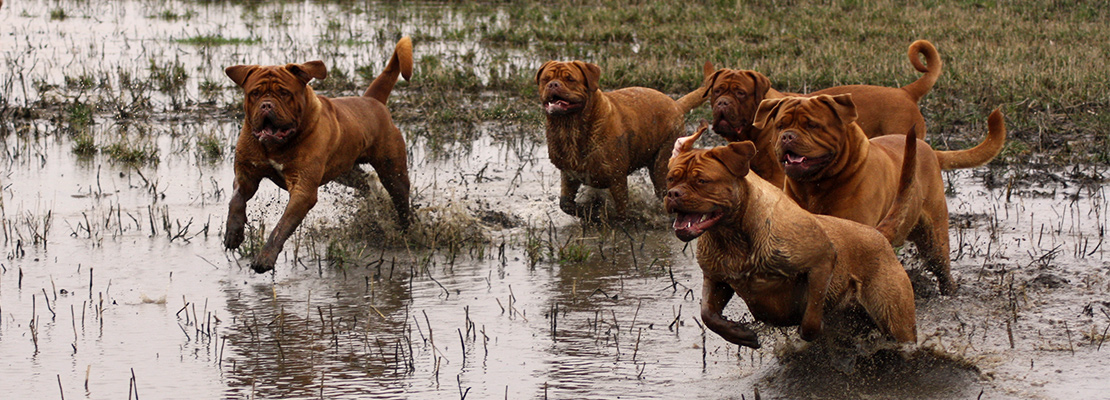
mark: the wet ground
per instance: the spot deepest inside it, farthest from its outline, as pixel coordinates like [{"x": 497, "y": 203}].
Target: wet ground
[{"x": 115, "y": 283}]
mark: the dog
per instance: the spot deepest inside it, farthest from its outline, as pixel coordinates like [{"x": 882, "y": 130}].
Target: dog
[
  {"x": 735, "y": 95},
  {"x": 789, "y": 266},
  {"x": 598, "y": 138},
  {"x": 301, "y": 140},
  {"x": 832, "y": 168}
]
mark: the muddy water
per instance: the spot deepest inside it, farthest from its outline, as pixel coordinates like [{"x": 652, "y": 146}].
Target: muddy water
[{"x": 131, "y": 290}]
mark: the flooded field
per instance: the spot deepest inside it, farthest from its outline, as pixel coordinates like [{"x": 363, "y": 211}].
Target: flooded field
[{"x": 117, "y": 130}]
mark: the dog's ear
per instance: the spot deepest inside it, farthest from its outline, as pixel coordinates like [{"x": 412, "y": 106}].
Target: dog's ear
[
  {"x": 710, "y": 79},
  {"x": 685, "y": 143},
  {"x": 239, "y": 73},
  {"x": 539, "y": 72},
  {"x": 768, "y": 109},
  {"x": 592, "y": 72},
  {"x": 305, "y": 72},
  {"x": 707, "y": 69},
  {"x": 762, "y": 84},
  {"x": 841, "y": 105},
  {"x": 737, "y": 157}
]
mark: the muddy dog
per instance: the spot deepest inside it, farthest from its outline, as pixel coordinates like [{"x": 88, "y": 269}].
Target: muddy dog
[
  {"x": 735, "y": 95},
  {"x": 832, "y": 168},
  {"x": 598, "y": 138},
  {"x": 789, "y": 266},
  {"x": 301, "y": 140}
]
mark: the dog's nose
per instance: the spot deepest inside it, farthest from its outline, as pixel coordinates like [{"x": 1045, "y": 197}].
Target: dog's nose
[
  {"x": 789, "y": 136},
  {"x": 266, "y": 106},
  {"x": 675, "y": 193},
  {"x": 554, "y": 85},
  {"x": 722, "y": 102}
]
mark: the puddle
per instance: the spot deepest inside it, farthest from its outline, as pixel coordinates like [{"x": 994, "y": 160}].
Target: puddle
[{"x": 114, "y": 278}]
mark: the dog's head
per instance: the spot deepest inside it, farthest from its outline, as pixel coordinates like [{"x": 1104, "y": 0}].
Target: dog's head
[
  {"x": 566, "y": 87},
  {"x": 704, "y": 186},
  {"x": 277, "y": 97},
  {"x": 813, "y": 132},
  {"x": 734, "y": 96}
]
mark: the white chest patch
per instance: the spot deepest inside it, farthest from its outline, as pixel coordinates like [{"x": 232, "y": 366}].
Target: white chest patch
[{"x": 277, "y": 167}]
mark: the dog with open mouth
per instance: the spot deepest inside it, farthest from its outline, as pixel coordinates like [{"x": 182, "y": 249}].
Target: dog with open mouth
[
  {"x": 734, "y": 96},
  {"x": 789, "y": 266},
  {"x": 832, "y": 168},
  {"x": 598, "y": 138},
  {"x": 301, "y": 140}
]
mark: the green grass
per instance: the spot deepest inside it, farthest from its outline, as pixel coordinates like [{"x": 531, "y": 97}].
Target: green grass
[
  {"x": 131, "y": 153},
  {"x": 216, "y": 40}
]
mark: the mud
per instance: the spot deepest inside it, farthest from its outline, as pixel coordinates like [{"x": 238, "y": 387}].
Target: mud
[{"x": 114, "y": 280}]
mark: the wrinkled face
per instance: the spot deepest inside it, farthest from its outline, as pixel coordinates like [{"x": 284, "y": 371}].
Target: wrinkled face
[
  {"x": 734, "y": 97},
  {"x": 276, "y": 97},
  {"x": 704, "y": 185},
  {"x": 811, "y": 132},
  {"x": 565, "y": 87}
]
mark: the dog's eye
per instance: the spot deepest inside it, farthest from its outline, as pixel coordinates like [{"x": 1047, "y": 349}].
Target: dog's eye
[
  {"x": 702, "y": 181},
  {"x": 741, "y": 93},
  {"x": 284, "y": 93},
  {"x": 254, "y": 94},
  {"x": 812, "y": 126},
  {"x": 570, "y": 79}
]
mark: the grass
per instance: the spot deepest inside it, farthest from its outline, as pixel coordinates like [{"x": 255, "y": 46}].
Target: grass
[{"x": 216, "y": 40}]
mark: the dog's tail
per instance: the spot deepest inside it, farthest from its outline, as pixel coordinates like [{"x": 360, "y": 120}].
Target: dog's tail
[
  {"x": 400, "y": 63},
  {"x": 922, "y": 85},
  {"x": 695, "y": 98},
  {"x": 981, "y": 154},
  {"x": 900, "y": 209}
]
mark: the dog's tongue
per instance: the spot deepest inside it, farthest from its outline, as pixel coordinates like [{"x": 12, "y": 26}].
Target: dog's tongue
[
  {"x": 794, "y": 158},
  {"x": 557, "y": 105}
]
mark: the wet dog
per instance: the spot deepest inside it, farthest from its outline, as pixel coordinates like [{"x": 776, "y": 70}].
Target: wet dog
[
  {"x": 789, "y": 266},
  {"x": 598, "y": 138},
  {"x": 735, "y": 95},
  {"x": 301, "y": 140},
  {"x": 832, "y": 168}
]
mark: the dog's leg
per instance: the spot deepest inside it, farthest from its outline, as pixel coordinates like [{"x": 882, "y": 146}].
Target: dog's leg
[
  {"x": 302, "y": 197},
  {"x": 619, "y": 191},
  {"x": 817, "y": 285},
  {"x": 659, "y": 174},
  {"x": 888, "y": 299},
  {"x": 394, "y": 175},
  {"x": 715, "y": 296},
  {"x": 931, "y": 239},
  {"x": 244, "y": 189},
  {"x": 569, "y": 190}
]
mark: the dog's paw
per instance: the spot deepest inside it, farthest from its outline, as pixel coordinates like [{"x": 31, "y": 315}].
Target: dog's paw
[
  {"x": 232, "y": 240},
  {"x": 737, "y": 333},
  {"x": 261, "y": 267}
]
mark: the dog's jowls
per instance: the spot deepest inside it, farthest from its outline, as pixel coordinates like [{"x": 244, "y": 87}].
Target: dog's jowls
[{"x": 300, "y": 140}]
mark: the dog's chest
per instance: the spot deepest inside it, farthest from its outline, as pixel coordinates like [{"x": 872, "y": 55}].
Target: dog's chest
[{"x": 729, "y": 262}]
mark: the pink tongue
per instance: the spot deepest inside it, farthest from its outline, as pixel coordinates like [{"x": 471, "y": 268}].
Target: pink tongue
[
  {"x": 557, "y": 105},
  {"x": 795, "y": 159}
]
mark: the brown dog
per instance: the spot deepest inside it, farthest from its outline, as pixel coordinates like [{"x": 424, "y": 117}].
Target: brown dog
[
  {"x": 599, "y": 138},
  {"x": 736, "y": 94},
  {"x": 788, "y": 265},
  {"x": 833, "y": 169},
  {"x": 301, "y": 140}
]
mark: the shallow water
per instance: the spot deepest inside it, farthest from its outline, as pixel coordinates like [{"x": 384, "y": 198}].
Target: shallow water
[{"x": 132, "y": 291}]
